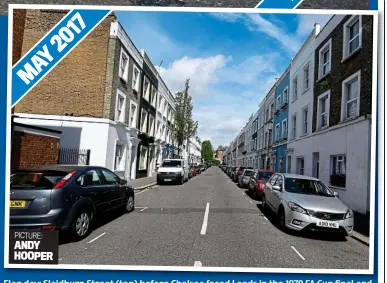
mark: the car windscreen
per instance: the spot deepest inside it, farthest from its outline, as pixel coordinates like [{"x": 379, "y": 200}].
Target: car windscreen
[
  {"x": 307, "y": 187},
  {"x": 36, "y": 180},
  {"x": 249, "y": 173},
  {"x": 264, "y": 175},
  {"x": 171, "y": 163}
]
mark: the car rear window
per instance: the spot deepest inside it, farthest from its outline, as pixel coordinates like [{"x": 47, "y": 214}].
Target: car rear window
[
  {"x": 265, "y": 175},
  {"x": 36, "y": 180},
  {"x": 249, "y": 173}
]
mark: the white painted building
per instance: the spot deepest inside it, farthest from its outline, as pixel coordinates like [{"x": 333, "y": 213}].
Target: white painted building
[
  {"x": 194, "y": 151},
  {"x": 301, "y": 99},
  {"x": 98, "y": 135},
  {"x": 267, "y": 120}
]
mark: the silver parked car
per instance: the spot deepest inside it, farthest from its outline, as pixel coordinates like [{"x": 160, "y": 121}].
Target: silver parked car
[
  {"x": 306, "y": 203},
  {"x": 244, "y": 178}
]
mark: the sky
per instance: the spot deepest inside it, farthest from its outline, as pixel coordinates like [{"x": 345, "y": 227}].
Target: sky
[{"x": 232, "y": 60}]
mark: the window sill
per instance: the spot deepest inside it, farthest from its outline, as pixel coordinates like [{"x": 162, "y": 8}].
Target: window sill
[
  {"x": 294, "y": 99},
  {"x": 337, "y": 188},
  {"x": 347, "y": 120},
  {"x": 322, "y": 128},
  {"x": 323, "y": 77},
  {"x": 350, "y": 56},
  {"x": 305, "y": 90},
  {"x": 123, "y": 79},
  {"x": 304, "y": 135}
]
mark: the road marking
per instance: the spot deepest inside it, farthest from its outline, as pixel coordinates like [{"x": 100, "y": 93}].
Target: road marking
[
  {"x": 143, "y": 209},
  {"x": 142, "y": 192},
  {"x": 89, "y": 242},
  {"x": 198, "y": 263},
  {"x": 205, "y": 220},
  {"x": 297, "y": 252}
]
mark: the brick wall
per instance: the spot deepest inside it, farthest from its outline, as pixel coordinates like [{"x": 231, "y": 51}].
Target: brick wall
[
  {"x": 77, "y": 84},
  {"x": 362, "y": 60},
  {"x": 19, "y": 17},
  {"x": 33, "y": 150}
]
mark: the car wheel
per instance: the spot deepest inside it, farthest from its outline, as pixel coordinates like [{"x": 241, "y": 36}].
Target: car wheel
[
  {"x": 182, "y": 180},
  {"x": 255, "y": 195},
  {"x": 129, "y": 205},
  {"x": 82, "y": 225},
  {"x": 281, "y": 219}
]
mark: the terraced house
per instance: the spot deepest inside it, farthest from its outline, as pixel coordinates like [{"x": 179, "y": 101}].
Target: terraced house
[
  {"x": 100, "y": 99},
  {"x": 323, "y": 111}
]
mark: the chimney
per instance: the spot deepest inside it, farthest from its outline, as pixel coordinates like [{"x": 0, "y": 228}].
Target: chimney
[{"x": 317, "y": 28}]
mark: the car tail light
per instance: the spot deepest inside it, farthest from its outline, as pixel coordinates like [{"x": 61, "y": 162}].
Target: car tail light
[
  {"x": 64, "y": 181},
  {"x": 48, "y": 228}
]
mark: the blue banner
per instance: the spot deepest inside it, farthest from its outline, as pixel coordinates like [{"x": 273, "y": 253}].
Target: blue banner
[
  {"x": 279, "y": 4},
  {"x": 52, "y": 48}
]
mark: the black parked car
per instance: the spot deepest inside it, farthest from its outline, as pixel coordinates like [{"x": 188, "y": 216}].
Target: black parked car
[{"x": 66, "y": 197}]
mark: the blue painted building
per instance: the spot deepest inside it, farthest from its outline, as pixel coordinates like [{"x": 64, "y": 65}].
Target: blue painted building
[{"x": 281, "y": 121}]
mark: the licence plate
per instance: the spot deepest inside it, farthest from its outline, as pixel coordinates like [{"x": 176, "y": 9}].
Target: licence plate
[
  {"x": 167, "y": 180},
  {"x": 327, "y": 224},
  {"x": 17, "y": 204}
]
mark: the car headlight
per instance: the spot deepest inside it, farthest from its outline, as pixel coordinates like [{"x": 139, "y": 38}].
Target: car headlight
[
  {"x": 295, "y": 207},
  {"x": 349, "y": 214}
]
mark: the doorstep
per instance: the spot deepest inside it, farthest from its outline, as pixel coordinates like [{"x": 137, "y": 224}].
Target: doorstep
[{"x": 361, "y": 238}]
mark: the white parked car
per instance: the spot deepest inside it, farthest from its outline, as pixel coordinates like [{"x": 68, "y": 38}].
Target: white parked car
[
  {"x": 306, "y": 203},
  {"x": 173, "y": 171}
]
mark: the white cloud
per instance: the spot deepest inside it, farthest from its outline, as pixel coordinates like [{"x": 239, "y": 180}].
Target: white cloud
[
  {"x": 228, "y": 17},
  {"x": 201, "y": 72},
  {"x": 306, "y": 23}
]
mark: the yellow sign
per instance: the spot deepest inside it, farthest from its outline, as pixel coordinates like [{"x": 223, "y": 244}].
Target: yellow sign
[{"x": 17, "y": 204}]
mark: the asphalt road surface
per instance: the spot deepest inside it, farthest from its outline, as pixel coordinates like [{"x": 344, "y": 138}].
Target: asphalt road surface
[
  {"x": 307, "y": 4},
  {"x": 207, "y": 221}
]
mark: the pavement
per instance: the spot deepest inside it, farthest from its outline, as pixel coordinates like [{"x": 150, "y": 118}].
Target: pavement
[
  {"x": 143, "y": 183},
  {"x": 306, "y": 4},
  {"x": 207, "y": 221}
]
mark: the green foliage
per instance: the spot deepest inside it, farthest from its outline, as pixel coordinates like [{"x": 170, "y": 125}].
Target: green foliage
[
  {"x": 185, "y": 127},
  {"x": 207, "y": 152},
  {"x": 216, "y": 162}
]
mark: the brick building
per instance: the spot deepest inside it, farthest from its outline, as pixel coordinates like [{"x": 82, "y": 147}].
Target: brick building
[{"x": 91, "y": 96}]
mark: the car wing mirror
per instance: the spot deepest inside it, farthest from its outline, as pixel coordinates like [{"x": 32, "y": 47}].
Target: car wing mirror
[
  {"x": 123, "y": 182},
  {"x": 276, "y": 188}
]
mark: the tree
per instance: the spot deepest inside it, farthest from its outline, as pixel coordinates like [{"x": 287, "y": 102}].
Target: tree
[
  {"x": 207, "y": 152},
  {"x": 216, "y": 162},
  {"x": 185, "y": 127}
]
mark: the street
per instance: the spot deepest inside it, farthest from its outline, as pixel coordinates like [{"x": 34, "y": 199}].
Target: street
[{"x": 208, "y": 221}]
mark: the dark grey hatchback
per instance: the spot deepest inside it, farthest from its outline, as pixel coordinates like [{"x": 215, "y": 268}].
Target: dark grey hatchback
[{"x": 65, "y": 197}]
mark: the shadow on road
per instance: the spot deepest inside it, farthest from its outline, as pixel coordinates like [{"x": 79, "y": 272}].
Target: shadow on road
[
  {"x": 65, "y": 237},
  {"x": 329, "y": 237}
]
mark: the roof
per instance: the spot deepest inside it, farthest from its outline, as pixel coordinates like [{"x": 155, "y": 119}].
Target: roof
[
  {"x": 36, "y": 127},
  {"x": 57, "y": 167},
  {"x": 296, "y": 176}
]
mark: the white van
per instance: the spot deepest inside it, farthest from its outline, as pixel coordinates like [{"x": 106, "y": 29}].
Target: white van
[{"x": 173, "y": 171}]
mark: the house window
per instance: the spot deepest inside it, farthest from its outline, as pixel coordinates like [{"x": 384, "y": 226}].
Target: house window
[
  {"x": 144, "y": 120},
  {"x": 158, "y": 129},
  {"x": 146, "y": 91},
  {"x": 338, "y": 171},
  {"x": 306, "y": 77},
  {"x": 351, "y": 97},
  {"x": 136, "y": 78},
  {"x": 300, "y": 166},
  {"x": 305, "y": 121},
  {"x": 278, "y": 102},
  {"x": 271, "y": 110},
  {"x": 120, "y": 107},
  {"x": 159, "y": 107},
  {"x": 133, "y": 115},
  {"x": 119, "y": 160},
  {"x": 295, "y": 88},
  {"x": 153, "y": 96},
  {"x": 352, "y": 35},
  {"x": 325, "y": 59},
  {"x": 277, "y": 132},
  {"x": 284, "y": 128},
  {"x": 165, "y": 109},
  {"x": 143, "y": 157},
  {"x": 124, "y": 65},
  {"x": 294, "y": 126},
  {"x": 323, "y": 110},
  {"x": 151, "y": 125},
  {"x": 285, "y": 95}
]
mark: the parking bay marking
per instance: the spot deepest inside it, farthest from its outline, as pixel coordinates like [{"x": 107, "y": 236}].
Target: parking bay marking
[
  {"x": 89, "y": 242},
  {"x": 298, "y": 253},
  {"x": 143, "y": 209},
  {"x": 205, "y": 220}
]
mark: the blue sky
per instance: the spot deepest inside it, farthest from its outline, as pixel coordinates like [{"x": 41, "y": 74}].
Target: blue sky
[{"x": 232, "y": 60}]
